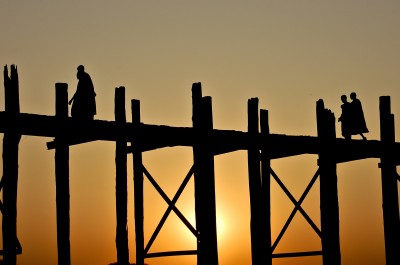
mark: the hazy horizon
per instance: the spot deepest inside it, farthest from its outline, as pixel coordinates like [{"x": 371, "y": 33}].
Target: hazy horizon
[{"x": 289, "y": 54}]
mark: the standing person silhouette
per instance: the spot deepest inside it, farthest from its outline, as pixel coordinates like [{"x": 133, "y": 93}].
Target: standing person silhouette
[
  {"x": 359, "y": 125},
  {"x": 84, "y": 102},
  {"x": 345, "y": 117}
]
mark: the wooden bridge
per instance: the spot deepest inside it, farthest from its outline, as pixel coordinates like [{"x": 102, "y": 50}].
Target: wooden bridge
[{"x": 136, "y": 137}]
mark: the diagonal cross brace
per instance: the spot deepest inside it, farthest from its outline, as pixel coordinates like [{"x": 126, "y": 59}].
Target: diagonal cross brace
[
  {"x": 171, "y": 205},
  {"x": 297, "y": 207}
]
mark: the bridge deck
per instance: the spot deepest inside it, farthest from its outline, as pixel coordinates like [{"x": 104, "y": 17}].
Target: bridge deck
[{"x": 159, "y": 136}]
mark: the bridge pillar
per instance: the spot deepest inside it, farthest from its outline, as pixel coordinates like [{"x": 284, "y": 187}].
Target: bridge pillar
[
  {"x": 138, "y": 183},
  {"x": 204, "y": 179},
  {"x": 389, "y": 184},
  {"x": 260, "y": 249},
  {"x": 266, "y": 186},
  {"x": 9, "y": 181},
  {"x": 328, "y": 186},
  {"x": 121, "y": 185},
  {"x": 62, "y": 176}
]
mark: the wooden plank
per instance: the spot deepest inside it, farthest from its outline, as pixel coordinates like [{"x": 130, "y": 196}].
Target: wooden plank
[
  {"x": 160, "y": 136},
  {"x": 121, "y": 185},
  {"x": 171, "y": 253}
]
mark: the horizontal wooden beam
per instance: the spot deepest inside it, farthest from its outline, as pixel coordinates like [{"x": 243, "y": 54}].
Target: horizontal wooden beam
[
  {"x": 171, "y": 253},
  {"x": 160, "y": 136},
  {"x": 297, "y": 254}
]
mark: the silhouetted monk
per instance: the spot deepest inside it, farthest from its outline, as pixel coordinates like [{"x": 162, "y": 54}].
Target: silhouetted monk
[
  {"x": 358, "y": 125},
  {"x": 345, "y": 118},
  {"x": 84, "y": 102}
]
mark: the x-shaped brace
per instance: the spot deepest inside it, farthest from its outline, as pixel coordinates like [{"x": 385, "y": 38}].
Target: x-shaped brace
[
  {"x": 171, "y": 206},
  {"x": 297, "y": 206}
]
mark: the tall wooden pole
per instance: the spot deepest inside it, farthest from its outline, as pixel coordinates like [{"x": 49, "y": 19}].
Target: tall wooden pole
[
  {"x": 390, "y": 198},
  {"x": 204, "y": 183},
  {"x": 258, "y": 249},
  {"x": 10, "y": 166},
  {"x": 121, "y": 188},
  {"x": 62, "y": 176},
  {"x": 138, "y": 183},
  {"x": 266, "y": 186},
  {"x": 328, "y": 186}
]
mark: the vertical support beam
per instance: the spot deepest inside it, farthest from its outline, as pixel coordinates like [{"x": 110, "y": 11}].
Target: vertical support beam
[
  {"x": 204, "y": 183},
  {"x": 138, "y": 183},
  {"x": 266, "y": 187},
  {"x": 328, "y": 186},
  {"x": 121, "y": 188},
  {"x": 258, "y": 252},
  {"x": 389, "y": 184},
  {"x": 62, "y": 176},
  {"x": 10, "y": 166}
]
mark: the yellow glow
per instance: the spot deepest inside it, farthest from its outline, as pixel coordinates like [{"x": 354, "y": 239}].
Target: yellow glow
[{"x": 287, "y": 53}]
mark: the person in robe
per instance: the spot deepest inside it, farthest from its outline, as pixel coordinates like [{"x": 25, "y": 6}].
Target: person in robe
[
  {"x": 345, "y": 117},
  {"x": 84, "y": 101},
  {"x": 358, "y": 125}
]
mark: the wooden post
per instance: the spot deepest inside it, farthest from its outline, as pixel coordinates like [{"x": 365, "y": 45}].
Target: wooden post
[
  {"x": 328, "y": 186},
  {"x": 62, "y": 176},
  {"x": 10, "y": 166},
  {"x": 258, "y": 250},
  {"x": 266, "y": 187},
  {"x": 121, "y": 188},
  {"x": 204, "y": 183},
  {"x": 389, "y": 184},
  {"x": 138, "y": 183}
]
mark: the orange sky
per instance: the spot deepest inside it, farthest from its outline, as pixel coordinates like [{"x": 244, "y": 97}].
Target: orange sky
[{"x": 287, "y": 53}]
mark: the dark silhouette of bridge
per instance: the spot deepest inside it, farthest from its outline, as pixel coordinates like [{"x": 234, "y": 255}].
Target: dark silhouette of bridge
[{"x": 136, "y": 138}]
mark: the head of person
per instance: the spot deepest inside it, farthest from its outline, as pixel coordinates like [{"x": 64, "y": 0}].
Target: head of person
[
  {"x": 81, "y": 70},
  {"x": 353, "y": 95},
  {"x": 343, "y": 98}
]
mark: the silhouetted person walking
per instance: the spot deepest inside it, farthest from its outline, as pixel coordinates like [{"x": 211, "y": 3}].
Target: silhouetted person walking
[
  {"x": 358, "y": 124},
  {"x": 84, "y": 102},
  {"x": 345, "y": 118}
]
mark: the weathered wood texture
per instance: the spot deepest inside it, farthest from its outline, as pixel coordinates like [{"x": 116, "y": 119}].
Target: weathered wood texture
[
  {"x": 62, "y": 176},
  {"x": 121, "y": 185},
  {"x": 328, "y": 186},
  {"x": 390, "y": 200},
  {"x": 10, "y": 167}
]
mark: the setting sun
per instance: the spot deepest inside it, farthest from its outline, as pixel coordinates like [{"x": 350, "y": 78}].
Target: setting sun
[{"x": 288, "y": 54}]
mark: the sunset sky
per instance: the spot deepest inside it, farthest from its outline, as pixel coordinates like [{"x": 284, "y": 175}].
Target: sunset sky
[{"x": 288, "y": 53}]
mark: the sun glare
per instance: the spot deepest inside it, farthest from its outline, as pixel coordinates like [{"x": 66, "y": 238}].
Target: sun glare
[{"x": 220, "y": 226}]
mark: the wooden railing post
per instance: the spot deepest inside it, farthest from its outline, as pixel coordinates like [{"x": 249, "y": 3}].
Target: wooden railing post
[
  {"x": 62, "y": 176},
  {"x": 10, "y": 166},
  {"x": 390, "y": 200},
  {"x": 328, "y": 186},
  {"x": 258, "y": 250},
  {"x": 121, "y": 188},
  {"x": 138, "y": 183},
  {"x": 207, "y": 248},
  {"x": 266, "y": 186}
]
